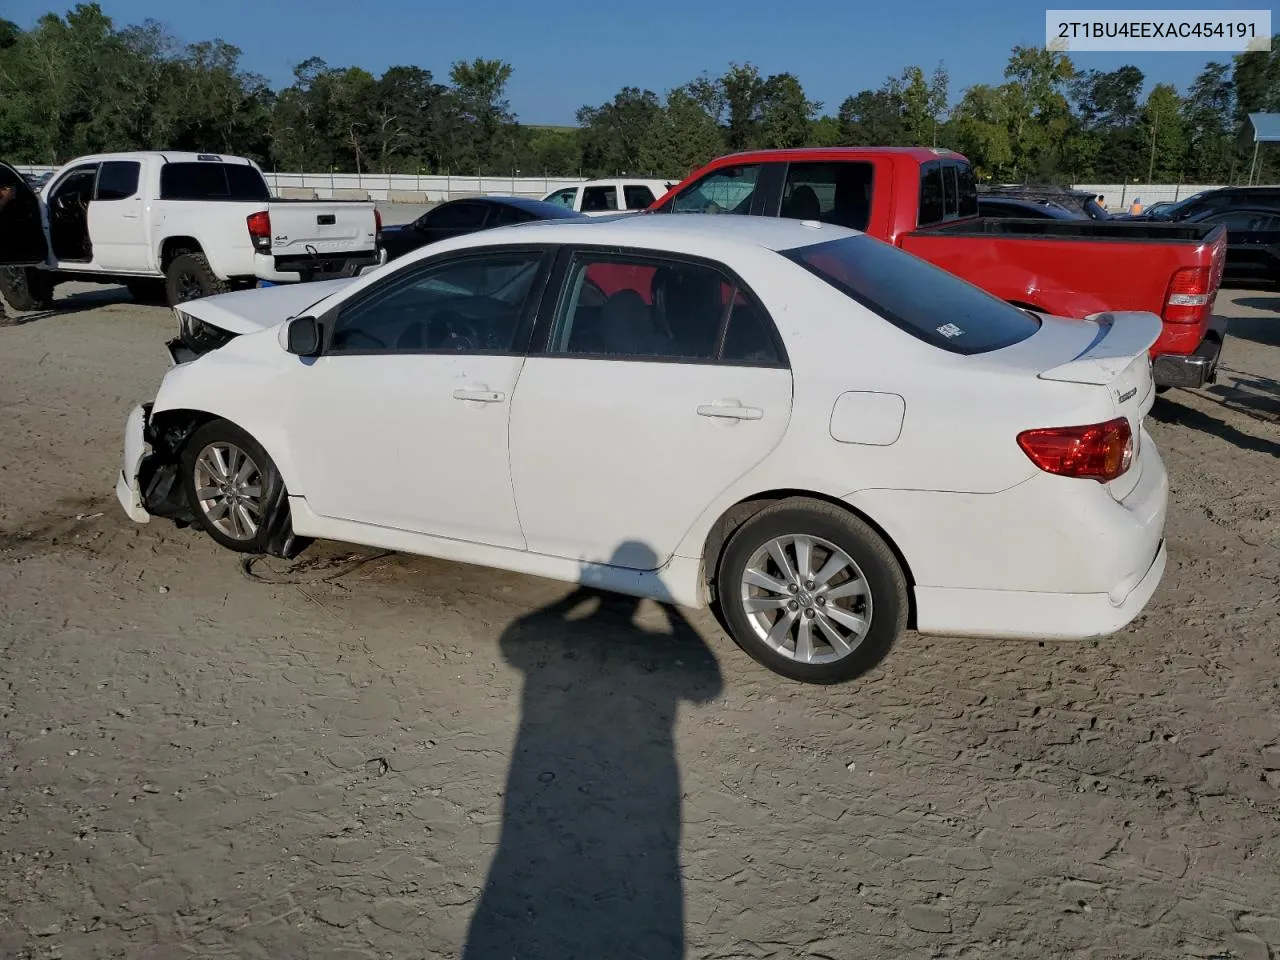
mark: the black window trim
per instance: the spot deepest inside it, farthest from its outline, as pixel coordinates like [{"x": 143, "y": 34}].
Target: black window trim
[
  {"x": 557, "y": 289},
  {"x": 524, "y": 328}
]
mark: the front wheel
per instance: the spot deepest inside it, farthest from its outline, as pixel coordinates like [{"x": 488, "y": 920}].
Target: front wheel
[
  {"x": 812, "y": 592},
  {"x": 26, "y": 288},
  {"x": 236, "y": 493}
]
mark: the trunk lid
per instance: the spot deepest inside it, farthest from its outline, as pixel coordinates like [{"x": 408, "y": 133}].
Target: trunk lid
[{"x": 308, "y": 227}]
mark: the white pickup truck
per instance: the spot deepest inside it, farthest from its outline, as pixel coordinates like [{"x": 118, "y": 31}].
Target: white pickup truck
[{"x": 172, "y": 226}]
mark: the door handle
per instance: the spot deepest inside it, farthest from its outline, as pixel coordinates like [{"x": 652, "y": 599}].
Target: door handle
[
  {"x": 730, "y": 411},
  {"x": 481, "y": 394}
]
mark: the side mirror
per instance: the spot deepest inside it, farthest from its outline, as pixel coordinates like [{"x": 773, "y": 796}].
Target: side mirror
[{"x": 304, "y": 337}]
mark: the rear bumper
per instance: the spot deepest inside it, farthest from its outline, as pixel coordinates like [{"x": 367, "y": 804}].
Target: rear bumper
[
  {"x": 1036, "y": 616},
  {"x": 329, "y": 266},
  {"x": 1051, "y": 558},
  {"x": 1194, "y": 369}
]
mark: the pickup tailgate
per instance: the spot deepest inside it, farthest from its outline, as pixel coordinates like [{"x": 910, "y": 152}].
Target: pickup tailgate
[{"x": 309, "y": 227}]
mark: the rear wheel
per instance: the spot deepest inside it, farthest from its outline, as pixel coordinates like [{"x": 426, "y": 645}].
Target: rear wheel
[
  {"x": 811, "y": 592},
  {"x": 189, "y": 277},
  {"x": 236, "y": 493},
  {"x": 26, "y": 288}
]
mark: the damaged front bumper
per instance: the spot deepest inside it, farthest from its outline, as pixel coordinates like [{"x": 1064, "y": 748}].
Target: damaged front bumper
[
  {"x": 150, "y": 482},
  {"x": 136, "y": 451}
]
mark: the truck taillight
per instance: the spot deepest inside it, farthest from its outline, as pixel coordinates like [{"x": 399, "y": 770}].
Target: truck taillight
[
  {"x": 260, "y": 230},
  {"x": 377, "y": 225},
  {"x": 1098, "y": 451},
  {"x": 1190, "y": 295}
]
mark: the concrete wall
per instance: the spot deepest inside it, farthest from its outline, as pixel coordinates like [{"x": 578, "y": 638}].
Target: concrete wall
[{"x": 1121, "y": 195}]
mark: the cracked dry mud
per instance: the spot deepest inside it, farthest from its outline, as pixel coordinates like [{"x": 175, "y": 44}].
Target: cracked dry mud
[{"x": 331, "y": 759}]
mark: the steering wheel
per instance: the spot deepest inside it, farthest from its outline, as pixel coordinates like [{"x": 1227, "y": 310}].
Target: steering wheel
[{"x": 450, "y": 330}]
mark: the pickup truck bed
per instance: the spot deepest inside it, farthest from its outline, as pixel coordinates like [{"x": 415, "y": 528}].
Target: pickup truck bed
[{"x": 925, "y": 201}]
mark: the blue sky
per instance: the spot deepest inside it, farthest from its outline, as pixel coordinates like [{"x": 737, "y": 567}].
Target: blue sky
[{"x": 574, "y": 53}]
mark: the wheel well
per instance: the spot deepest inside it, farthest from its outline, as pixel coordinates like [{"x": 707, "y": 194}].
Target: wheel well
[
  {"x": 742, "y": 511},
  {"x": 174, "y": 247}
]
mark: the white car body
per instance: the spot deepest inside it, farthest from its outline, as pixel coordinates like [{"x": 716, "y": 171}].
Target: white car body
[
  {"x": 616, "y": 472},
  {"x": 134, "y": 237},
  {"x": 602, "y": 198}
]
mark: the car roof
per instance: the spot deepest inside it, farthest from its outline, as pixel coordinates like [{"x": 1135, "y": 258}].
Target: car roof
[
  {"x": 529, "y": 204},
  {"x": 922, "y": 154},
  {"x": 715, "y": 234},
  {"x": 614, "y": 181}
]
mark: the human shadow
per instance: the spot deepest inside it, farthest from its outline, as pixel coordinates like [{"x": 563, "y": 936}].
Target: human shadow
[{"x": 588, "y": 862}]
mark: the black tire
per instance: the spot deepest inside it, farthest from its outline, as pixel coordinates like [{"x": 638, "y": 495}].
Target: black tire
[
  {"x": 884, "y": 579},
  {"x": 274, "y": 529},
  {"x": 189, "y": 277},
  {"x": 25, "y": 288},
  {"x": 152, "y": 292}
]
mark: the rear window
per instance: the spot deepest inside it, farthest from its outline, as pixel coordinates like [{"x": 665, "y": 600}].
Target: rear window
[
  {"x": 212, "y": 181},
  {"x": 915, "y": 296}
]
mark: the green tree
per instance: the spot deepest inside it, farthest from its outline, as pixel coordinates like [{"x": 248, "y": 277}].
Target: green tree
[
  {"x": 682, "y": 137},
  {"x": 485, "y": 138},
  {"x": 1207, "y": 114},
  {"x": 613, "y": 134},
  {"x": 785, "y": 113},
  {"x": 1163, "y": 134}
]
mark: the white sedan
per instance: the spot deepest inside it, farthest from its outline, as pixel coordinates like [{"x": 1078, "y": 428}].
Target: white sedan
[{"x": 825, "y": 437}]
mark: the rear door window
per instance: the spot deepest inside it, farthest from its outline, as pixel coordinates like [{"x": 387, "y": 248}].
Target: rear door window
[
  {"x": 637, "y": 196},
  {"x": 917, "y": 297},
  {"x": 118, "y": 179},
  {"x": 596, "y": 199},
  {"x": 967, "y": 184},
  {"x": 458, "y": 216},
  {"x": 834, "y": 192},
  {"x": 950, "y": 192},
  {"x": 931, "y": 201}
]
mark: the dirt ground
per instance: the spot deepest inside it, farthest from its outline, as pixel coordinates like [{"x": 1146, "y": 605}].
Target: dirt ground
[{"x": 369, "y": 756}]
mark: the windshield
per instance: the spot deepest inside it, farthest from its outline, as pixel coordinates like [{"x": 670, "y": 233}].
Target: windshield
[{"x": 925, "y": 301}]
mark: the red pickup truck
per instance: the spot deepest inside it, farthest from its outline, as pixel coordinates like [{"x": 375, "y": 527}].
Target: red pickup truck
[{"x": 926, "y": 202}]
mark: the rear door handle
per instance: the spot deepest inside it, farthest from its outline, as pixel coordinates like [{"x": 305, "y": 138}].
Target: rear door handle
[
  {"x": 730, "y": 411},
  {"x": 482, "y": 395}
]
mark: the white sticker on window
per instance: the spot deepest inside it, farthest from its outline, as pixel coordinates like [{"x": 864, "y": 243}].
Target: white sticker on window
[{"x": 950, "y": 331}]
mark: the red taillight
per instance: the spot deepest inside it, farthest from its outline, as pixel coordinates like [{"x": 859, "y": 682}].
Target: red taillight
[
  {"x": 260, "y": 230},
  {"x": 1191, "y": 291},
  {"x": 1099, "y": 451},
  {"x": 377, "y": 225}
]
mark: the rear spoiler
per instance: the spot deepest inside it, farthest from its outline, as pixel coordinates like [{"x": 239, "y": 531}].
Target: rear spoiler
[{"x": 1122, "y": 336}]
